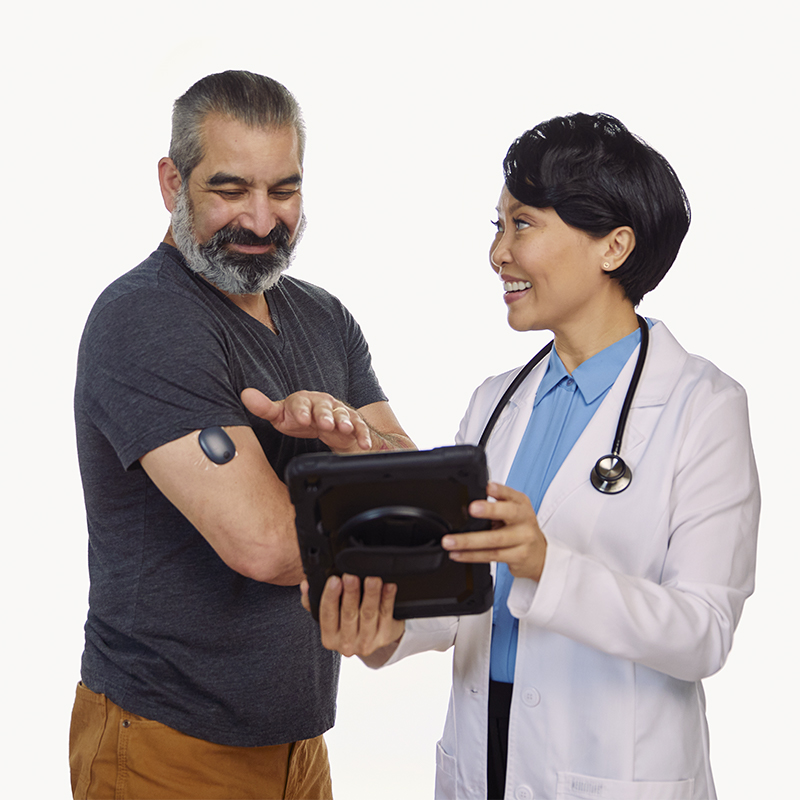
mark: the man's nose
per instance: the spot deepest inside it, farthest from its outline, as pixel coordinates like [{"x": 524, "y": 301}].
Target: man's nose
[{"x": 258, "y": 215}]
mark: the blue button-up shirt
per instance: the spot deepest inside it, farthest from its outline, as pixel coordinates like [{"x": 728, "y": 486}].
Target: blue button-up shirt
[{"x": 563, "y": 407}]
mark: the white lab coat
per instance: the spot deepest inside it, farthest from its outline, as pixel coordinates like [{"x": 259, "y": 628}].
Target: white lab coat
[{"x": 638, "y": 600}]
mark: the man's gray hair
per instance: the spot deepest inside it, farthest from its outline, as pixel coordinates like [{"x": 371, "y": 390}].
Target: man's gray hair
[{"x": 255, "y": 100}]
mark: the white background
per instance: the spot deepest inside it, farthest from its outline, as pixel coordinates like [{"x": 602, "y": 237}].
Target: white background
[{"x": 410, "y": 108}]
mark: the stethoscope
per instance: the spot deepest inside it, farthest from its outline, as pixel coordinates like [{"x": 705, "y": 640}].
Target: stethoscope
[{"x": 610, "y": 475}]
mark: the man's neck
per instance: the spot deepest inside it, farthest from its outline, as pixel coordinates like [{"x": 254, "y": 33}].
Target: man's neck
[{"x": 253, "y": 304}]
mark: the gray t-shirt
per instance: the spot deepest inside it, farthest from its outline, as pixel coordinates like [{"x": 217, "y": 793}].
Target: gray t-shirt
[{"x": 174, "y": 634}]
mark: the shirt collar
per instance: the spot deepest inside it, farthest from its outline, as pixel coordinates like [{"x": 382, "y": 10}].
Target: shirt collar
[{"x": 594, "y": 376}]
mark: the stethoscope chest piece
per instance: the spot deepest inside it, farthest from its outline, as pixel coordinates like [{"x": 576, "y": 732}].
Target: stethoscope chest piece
[{"x": 611, "y": 475}]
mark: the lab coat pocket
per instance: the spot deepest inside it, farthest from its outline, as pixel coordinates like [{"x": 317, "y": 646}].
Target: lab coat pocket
[
  {"x": 583, "y": 787},
  {"x": 445, "y": 774}
]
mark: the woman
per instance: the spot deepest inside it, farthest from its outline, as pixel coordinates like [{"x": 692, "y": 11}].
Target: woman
[{"x": 585, "y": 680}]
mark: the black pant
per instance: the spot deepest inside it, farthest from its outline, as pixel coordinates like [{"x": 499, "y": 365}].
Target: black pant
[{"x": 497, "y": 755}]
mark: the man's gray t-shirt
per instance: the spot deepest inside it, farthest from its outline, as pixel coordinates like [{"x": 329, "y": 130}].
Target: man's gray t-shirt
[{"x": 173, "y": 634}]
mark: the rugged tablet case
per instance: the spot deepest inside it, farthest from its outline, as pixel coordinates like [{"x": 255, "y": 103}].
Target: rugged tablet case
[{"x": 385, "y": 514}]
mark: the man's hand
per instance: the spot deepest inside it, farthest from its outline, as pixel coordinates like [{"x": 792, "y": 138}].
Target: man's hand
[
  {"x": 316, "y": 415},
  {"x": 313, "y": 415},
  {"x": 515, "y": 538},
  {"x": 356, "y": 625}
]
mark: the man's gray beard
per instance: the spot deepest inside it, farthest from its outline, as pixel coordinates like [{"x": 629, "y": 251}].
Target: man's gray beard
[{"x": 231, "y": 272}]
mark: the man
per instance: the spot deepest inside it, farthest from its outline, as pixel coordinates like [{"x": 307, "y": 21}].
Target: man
[{"x": 202, "y": 675}]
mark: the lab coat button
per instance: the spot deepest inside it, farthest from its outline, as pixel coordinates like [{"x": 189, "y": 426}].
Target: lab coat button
[
  {"x": 530, "y": 697},
  {"x": 523, "y": 793}
]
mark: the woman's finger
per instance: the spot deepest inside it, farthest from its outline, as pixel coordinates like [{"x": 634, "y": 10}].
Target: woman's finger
[
  {"x": 329, "y": 612},
  {"x": 495, "y": 539},
  {"x": 500, "y": 491},
  {"x": 304, "y": 595},
  {"x": 388, "y": 594},
  {"x": 370, "y": 607},
  {"x": 507, "y": 511},
  {"x": 510, "y": 505},
  {"x": 505, "y": 555}
]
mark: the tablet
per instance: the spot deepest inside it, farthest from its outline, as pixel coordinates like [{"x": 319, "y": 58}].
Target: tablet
[{"x": 385, "y": 514}]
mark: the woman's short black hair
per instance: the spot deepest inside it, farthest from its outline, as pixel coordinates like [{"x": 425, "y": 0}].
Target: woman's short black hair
[{"x": 598, "y": 176}]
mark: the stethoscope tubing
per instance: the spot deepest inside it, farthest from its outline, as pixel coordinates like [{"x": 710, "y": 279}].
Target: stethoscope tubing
[
  {"x": 637, "y": 374},
  {"x": 614, "y": 476}
]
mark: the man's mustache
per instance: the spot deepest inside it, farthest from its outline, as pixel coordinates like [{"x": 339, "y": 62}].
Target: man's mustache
[{"x": 279, "y": 236}]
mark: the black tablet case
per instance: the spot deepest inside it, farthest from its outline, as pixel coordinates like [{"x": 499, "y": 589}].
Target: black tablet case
[{"x": 384, "y": 514}]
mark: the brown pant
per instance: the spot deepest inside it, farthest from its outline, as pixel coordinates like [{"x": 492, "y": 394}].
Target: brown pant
[{"x": 115, "y": 755}]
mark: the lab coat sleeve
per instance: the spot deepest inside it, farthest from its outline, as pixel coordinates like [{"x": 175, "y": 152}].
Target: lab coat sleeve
[
  {"x": 421, "y": 635},
  {"x": 683, "y": 625}
]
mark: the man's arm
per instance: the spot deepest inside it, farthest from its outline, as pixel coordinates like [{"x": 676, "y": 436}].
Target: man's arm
[
  {"x": 241, "y": 507},
  {"x": 386, "y": 433}
]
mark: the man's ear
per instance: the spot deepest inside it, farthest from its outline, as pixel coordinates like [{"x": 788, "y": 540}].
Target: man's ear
[
  {"x": 169, "y": 180},
  {"x": 619, "y": 245}
]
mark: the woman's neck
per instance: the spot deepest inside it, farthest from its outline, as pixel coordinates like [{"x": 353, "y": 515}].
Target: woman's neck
[{"x": 587, "y": 337}]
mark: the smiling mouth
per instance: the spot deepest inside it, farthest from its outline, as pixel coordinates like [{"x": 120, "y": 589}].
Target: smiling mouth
[
  {"x": 516, "y": 286},
  {"x": 250, "y": 249}
]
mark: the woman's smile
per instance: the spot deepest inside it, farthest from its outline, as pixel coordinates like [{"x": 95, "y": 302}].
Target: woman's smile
[{"x": 514, "y": 289}]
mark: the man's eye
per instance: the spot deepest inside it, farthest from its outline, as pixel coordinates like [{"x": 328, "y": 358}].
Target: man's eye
[
  {"x": 228, "y": 194},
  {"x": 284, "y": 194}
]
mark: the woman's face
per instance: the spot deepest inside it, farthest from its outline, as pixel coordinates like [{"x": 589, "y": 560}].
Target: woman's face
[{"x": 552, "y": 273}]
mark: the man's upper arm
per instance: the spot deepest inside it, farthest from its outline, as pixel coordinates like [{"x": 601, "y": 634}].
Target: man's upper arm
[{"x": 242, "y": 508}]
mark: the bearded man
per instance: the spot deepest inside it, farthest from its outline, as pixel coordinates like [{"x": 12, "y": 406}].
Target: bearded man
[{"x": 202, "y": 675}]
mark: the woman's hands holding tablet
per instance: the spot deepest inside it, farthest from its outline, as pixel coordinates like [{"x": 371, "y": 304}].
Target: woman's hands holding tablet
[
  {"x": 514, "y": 539},
  {"x": 356, "y": 625}
]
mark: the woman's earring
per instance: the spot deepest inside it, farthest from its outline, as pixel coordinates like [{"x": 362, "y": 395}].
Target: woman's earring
[{"x": 606, "y": 266}]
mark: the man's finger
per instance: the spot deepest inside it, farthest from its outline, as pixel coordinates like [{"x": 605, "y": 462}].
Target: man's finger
[
  {"x": 343, "y": 418},
  {"x": 299, "y": 408},
  {"x": 321, "y": 411},
  {"x": 259, "y": 404}
]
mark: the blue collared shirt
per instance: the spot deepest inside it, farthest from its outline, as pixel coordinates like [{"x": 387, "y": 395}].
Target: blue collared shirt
[{"x": 563, "y": 407}]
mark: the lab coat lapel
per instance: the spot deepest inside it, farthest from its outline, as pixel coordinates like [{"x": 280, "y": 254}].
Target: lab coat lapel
[
  {"x": 662, "y": 365},
  {"x": 511, "y": 425}
]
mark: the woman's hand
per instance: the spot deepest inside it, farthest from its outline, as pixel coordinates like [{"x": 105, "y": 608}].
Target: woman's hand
[
  {"x": 515, "y": 538},
  {"x": 356, "y": 625}
]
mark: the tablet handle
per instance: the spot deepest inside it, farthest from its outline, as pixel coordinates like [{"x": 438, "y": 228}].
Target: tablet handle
[{"x": 384, "y": 561}]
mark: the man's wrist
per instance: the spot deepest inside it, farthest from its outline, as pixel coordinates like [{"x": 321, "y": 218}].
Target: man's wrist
[{"x": 385, "y": 442}]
